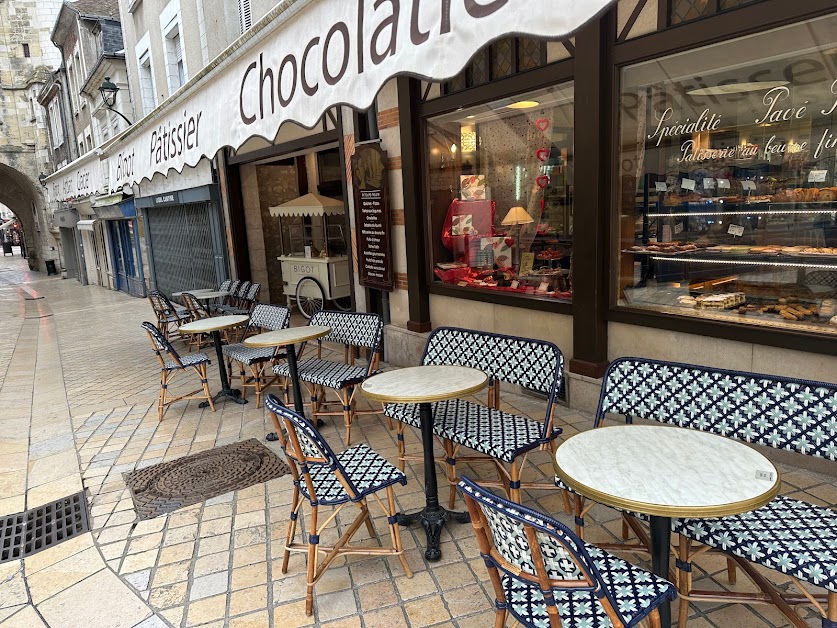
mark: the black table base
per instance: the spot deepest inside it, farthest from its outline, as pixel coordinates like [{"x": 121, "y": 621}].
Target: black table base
[
  {"x": 433, "y": 516},
  {"x": 299, "y": 407},
  {"x": 226, "y": 392},
  {"x": 660, "y": 552}
]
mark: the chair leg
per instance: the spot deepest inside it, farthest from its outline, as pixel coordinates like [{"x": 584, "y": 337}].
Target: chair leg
[
  {"x": 257, "y": 370},
  {"x": 654, "y": 619},
  {"x": 205, "y": 382},
  {"x": 348, "y": 415},
  {"x": 514, "y": 483},
  {"x": 295, "y": 503},
  {"x": 313, "y": 540},
  {"x": 402, "y": 447},
  {"x": 831, "y": 610},
  {"x": 450, "y": 465},
  {"x": 161, "y": 404},
  {"x": 500, "y": 619},
  {"x": 684, "y": 581},
  {"x": 242, "y": 378},
  {"x": 395, "y": 531},
  {"x": 578, "y": 503},
  {"x": 732, "y": 572}
]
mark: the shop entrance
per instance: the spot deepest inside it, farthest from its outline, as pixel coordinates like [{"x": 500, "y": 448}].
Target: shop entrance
[{"x": 124, "y": 259}]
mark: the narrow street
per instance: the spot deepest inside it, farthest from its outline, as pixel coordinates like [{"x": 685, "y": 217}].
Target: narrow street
[{"x": 77, "y": 410}]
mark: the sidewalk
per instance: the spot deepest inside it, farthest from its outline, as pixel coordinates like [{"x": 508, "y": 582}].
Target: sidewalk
[{"x": 78, "y": 389}]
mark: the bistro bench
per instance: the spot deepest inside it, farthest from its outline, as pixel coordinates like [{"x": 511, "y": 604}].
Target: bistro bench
[
  {"x": 500, "y": 437},
  {"x": 794, "y": 537}
]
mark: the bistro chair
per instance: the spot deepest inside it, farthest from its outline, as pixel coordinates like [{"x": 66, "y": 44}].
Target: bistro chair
[
  {"x": 169, "y": 316},
  {"x": 544, "y": 575},
  {"x": 328, "y": 479},
  {"x": 496, "y": 436},
  {"x": 264, "y": 318},
  {"x": 173, "y": 364},
  {"x": 245, "y": 305},
  {"x": 353, "y": 330},
  {"x": 196, "y": 312}
]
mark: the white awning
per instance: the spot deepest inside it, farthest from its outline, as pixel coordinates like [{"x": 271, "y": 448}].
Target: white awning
[
  {"x": 79, "y": 179},
  {"x": 85, "y": 225},
  {"x": 307, "y": 56},
  {"x": 309, "y": 205}
]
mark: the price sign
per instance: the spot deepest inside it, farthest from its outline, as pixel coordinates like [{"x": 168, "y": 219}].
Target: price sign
[
  {"x": 723, "y": 184},
  {"x": 748, "y": 185},
  {"x": 678, "y": 228},
  {"x": 687, "y": 184},
  {"x": 660, "y": 186},
  {"x": 543, "y": 287},
  {"x": 709, "y": 183},
  {"x": 736, "y": 230},
  {"x": 515, "y": 284},
  {"x": 817, "y": 176}
]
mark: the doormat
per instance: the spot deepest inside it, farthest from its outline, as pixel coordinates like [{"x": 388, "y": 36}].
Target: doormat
[
  {"x": 165, "y": 487},
  {"x": 25, "y": 533}
]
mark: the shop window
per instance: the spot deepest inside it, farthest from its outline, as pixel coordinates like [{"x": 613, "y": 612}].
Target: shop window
[
  {"x": 728, "y": 203},
  {"x": 499, "y": 189}
]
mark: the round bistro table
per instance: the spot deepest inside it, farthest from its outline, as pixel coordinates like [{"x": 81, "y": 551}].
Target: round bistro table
[
  {"x": 666, "y": 472},
  {"x": 424, "y": 385},
  {"x": 288, "y": 338},
  {"x": 196, "y": 291},
  {"x": 215, "y": 325}
]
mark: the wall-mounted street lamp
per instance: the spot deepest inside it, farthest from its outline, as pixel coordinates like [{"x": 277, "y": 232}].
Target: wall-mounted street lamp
[{"x": 108, "y": 90}]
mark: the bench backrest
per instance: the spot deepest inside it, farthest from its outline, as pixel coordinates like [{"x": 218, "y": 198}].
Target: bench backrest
[
  {"x": 791, "y": 414},
  {"x": 533, "y": 364},
  {"x": 355, "y": 329}
]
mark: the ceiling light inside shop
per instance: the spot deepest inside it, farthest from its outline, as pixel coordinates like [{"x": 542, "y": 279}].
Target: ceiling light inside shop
[
  {"x": 736, "y": 88},
  {"x": 523, "y": 104}
]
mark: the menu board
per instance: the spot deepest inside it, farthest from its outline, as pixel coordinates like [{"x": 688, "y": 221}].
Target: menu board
[{"x": 372, "y": 219}]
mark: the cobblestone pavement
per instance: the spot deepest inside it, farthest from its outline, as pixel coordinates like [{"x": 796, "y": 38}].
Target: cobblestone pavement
[{"x": 78, "y": 386}]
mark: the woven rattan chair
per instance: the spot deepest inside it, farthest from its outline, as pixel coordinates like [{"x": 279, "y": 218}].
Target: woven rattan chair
[
  {"x": 245, "y": 303},
  {"x": 264, "y": 318},
  {"x": 196, "y": 312},
  {"x": 174, "y": 364},
  {"x": 352, "y": 330},
  {"x": 169, "y": 316},
  {"x": 545, "y": 576},
  {"x": 341, "y": 480}
]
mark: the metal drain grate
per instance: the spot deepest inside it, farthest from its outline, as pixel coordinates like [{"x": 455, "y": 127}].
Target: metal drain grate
[{"x": 25, "y": 533}]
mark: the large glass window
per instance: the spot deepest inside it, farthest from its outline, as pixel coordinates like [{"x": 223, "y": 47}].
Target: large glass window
[
  {"x": 500, "y": 195},
  {"x": 728, "y": 203}
]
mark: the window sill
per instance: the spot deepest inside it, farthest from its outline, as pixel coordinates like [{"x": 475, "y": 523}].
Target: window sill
[
  {"x": 132, "y": 6},
  {"x": 785, "y": 338},
  {"x": 498, "y": 297}
]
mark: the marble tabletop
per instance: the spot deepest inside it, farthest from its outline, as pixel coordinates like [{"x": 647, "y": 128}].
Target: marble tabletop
[
  {"x": 215, "y": 323},
  {"x": 289, "y": 336},
  {"x": 667, "y": 471},
  {"x": 417, "y": 384},
  {"x": 195, "y": 291},
  {"x": 210, "y": 294}
]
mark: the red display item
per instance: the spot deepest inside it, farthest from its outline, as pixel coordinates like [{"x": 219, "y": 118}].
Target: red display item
[{"x": 482, "y": 223}]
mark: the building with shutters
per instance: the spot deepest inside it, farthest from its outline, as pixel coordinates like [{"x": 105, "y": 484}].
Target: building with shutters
[{"x": 88, "y": 38}]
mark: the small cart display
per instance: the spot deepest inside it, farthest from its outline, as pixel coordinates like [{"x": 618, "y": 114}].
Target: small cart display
[{"x": 315, "y": 265}]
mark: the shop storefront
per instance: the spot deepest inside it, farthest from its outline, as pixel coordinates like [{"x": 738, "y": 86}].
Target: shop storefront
[
  {"x": 184, "y": 238},
  {"x": 117, "y": 218},
  {"x": 676, "y": 199},
  {"x": 66, "y": 220}
]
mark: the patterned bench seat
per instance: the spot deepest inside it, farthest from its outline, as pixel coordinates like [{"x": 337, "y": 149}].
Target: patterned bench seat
[
  {"x": 495, "y": 435},
  {"x": 793, "y": 537}
]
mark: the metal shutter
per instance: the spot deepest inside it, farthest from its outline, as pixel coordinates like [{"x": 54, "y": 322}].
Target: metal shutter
[
  {"x": 244, "y": 16},
  {"x": 181, "y": 247}
]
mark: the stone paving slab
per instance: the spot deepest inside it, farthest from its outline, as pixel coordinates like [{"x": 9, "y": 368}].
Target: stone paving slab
[{"x": 77, "y": 409}]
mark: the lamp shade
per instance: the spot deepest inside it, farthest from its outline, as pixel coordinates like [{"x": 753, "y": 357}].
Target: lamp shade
[{"x": 517, "y": 216}]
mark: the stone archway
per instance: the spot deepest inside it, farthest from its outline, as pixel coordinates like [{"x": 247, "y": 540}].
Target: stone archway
[{"x": 25, "y": 197}]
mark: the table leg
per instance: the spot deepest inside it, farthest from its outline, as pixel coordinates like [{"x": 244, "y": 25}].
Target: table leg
[
  {"x": 226, "y": 391},
  {"x": 433, "y": 516},
  {"x": 299, "y": 406},
  {"x": 660, "y": 557}
]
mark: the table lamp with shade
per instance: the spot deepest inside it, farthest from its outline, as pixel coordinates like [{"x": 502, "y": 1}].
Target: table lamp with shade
[{"x": 517, "y": 217}]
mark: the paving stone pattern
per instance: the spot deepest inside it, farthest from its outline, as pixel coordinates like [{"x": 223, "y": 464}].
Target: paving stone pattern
[{"x": 77, "y": 409}]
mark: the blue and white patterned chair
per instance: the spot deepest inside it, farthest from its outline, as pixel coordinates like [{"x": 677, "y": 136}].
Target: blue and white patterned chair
[
  {"x": 793, "y": 537},
  {"x": 169, "y": 315},
  {"x": 341, "y": 480},
  {"x": 174, "y": 364},
  {"x": 501, "y": 437},
  {"x": 264, "y": 318},
  {"x": 545, "y": 576},
  {"x": 353, "y": 330},
  {"x": 243, "y": 302}
]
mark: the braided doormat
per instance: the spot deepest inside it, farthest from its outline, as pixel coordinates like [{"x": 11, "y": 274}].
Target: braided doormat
[{"x": 165, "y": 487}]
